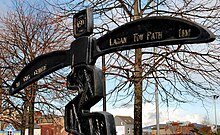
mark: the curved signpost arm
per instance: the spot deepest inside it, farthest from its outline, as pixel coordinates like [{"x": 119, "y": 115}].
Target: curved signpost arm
[
  {"x": 152, "y": 32},
  {"x": 40, "y": 67}
]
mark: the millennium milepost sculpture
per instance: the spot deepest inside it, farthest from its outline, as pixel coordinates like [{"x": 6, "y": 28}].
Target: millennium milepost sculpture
[{"x": 88, "y": 79}]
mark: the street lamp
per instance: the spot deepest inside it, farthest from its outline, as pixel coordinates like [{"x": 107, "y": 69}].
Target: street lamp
[{"x": 216, "y": 126}]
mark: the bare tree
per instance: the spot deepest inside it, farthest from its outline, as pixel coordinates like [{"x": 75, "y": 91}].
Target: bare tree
[
  {"x": 183, "y": 72},
  {"x": 26, "y": 33}
]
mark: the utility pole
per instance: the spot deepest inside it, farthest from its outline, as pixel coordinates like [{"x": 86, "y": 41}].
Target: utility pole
[
  {"x": 216, "y": 126},
  {"x": 157, "y": 107},
  {"x": 156, "y": 86}
]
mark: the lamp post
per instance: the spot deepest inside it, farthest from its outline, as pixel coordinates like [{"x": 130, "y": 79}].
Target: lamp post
[
  {"x": 216, "y": 126},
  {"x": 157, "y": 110}
]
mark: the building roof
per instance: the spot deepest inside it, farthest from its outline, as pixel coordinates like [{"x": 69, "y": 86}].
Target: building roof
[
  {"x": 9, "y": 128},
  {"x": 126, "y": 119},
  {"x": 162, "y": 126}
]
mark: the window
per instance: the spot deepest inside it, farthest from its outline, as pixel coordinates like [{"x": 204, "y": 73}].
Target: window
[
  {"x": 9, "y": 132},
  {"x": 129, "y": 131},
  {"x": 47, "y": 132}
]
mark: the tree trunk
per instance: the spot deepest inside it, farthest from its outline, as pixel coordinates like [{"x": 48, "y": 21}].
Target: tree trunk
[
  {"x": 138, "y": 93},
  {"x": 31, "y": 119},
  {"x": 24, "y": 118},
  {"x": 137, "y": 83},
  {"x": 31, "y": 100},
  {"x": 1, "y": 93},
  {"x": 31, "y": 109}
]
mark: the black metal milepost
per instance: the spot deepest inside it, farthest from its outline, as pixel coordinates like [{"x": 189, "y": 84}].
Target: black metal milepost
[
  {"x": 88, "y": 80},
  {"x": 84, "y": 51}
]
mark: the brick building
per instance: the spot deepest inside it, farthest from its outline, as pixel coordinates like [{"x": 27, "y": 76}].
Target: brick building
[{"x": 178, "y": 128}]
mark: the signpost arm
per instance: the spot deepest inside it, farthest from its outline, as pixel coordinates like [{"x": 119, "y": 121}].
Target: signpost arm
[
  {"x": 40, "y": 67},
  {"x": 151, "y": 32}
]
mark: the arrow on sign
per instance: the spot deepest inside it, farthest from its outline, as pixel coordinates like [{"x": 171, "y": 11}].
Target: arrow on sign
[{"x": 40, "y": 67}]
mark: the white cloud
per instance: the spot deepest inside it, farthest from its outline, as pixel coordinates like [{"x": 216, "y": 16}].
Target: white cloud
[{"x": 149, "y": 114}]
